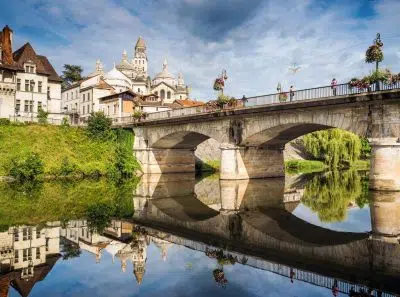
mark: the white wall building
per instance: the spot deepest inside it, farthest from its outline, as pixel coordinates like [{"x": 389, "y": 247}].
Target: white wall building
[
  {"x": 28, "y": 82},
  {"x": 84, "y": 97}
]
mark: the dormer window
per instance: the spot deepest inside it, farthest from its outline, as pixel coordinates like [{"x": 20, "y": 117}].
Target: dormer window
[{"x": 30, "y": 68}]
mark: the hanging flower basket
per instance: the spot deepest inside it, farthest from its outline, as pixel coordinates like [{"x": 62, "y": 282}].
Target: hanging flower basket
[
  {"x": 219, "y": 277},
  {"x": 283, "y": 97},
  {"x": 219, "y": 84},
  {"x": 374, "y": 54}
]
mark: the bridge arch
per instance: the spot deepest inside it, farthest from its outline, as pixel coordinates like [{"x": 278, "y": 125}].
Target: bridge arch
[{"x": 276, "y": 133}]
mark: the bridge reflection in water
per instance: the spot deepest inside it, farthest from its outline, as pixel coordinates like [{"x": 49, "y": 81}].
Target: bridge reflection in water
[{"x": 253, "y": 219}]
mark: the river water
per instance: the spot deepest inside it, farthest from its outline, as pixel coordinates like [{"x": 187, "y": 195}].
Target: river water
[{"x": 318, "y": 234}]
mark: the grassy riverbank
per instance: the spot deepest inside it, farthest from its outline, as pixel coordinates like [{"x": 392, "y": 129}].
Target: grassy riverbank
[
  {"x": 63, "y": 151},
  {"x": 308, "y": 166},
  {"x": 304, "y": 166}
]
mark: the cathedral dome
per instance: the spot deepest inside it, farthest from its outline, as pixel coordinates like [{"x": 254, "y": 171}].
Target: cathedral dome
[
  {"x": 116, "y": 78},
  {"x": 164, "y": 76}
]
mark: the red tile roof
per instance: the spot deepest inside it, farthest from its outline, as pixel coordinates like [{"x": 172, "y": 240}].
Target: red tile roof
[{"x": 189, "y": 103}]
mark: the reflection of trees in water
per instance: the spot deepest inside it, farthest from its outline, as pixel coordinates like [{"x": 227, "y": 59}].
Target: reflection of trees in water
[
  {"x": 69, "y": 249},
  {"x": 330, "y": 194},
  {"x": 61, "y": 200}
]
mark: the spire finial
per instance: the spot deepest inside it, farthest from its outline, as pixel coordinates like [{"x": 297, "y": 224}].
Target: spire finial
[
  {"x": 165, "y": 64},
  {"x": 124, "y": 56}
]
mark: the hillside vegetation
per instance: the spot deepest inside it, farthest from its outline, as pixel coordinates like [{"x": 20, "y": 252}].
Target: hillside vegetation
[{"x": 64, "y": 151}]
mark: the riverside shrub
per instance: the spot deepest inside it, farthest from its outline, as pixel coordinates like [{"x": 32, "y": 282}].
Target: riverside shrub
[{"x": 29, "y": 167}]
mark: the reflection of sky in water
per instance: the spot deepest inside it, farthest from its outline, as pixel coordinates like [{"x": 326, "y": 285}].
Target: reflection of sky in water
[
  {"x": 185, "y": 273},
  {"x": 357, "y": 219}
]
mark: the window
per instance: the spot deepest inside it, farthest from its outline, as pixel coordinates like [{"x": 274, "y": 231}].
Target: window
[
  {"x": 39, "y": 86},
  {"x": 47, "y": 244},
  {"x": 32, "y": 85},
  {"x": 67, "y": 96},
  {"x": 108, "y": 109},
  {"x": 39, "y": 106},
  {"x": 27, "y": 234},
  {"x": 48, "y": 92},
  {"x": 76, "y": 106},
  {"x": 180, "y": 97},
  {"x": 88, "y": 96},
  {"x": 162, "y": 94},
  {"x": 168, "y": 95},
  {"x": 83, "y": 109},
  {"x": 26, "y": 85},
  {"x": 138, "y": 90},
  {"x": 115, "y": 108},
  {"x": 18, "y": 84},
  {"x": 27, "y": 254},
  {"x": 76, "y": 93},
  {"x": 16, "y": 256},
  {"x": 72, "y": 95},
  {"x": 28, "y": 106},
  {"x": 17, "y": 105},
  {"x": 88, "y": 108},
  {"x": 37, "y": 253},
  {"x": 27, "y": 69},
  {"x": 16, "y": 234},
  {"x": 83, "y": 97}
]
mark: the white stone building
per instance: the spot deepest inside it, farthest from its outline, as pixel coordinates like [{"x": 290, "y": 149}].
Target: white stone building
[
  {"x": 28, "y": 82},
  {"x": 93, "y": 93}
]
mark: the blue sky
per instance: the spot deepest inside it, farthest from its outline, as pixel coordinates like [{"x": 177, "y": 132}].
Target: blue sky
[
  {"x": 186, "y": 272},
  {"x": 254, "y": 40}
]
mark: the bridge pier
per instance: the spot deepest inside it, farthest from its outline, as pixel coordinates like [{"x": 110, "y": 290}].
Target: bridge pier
[
  {"x": 385, "y": 164},
  {"x": 385, "y": 213},
  {"x": 155, "y": 161},
  {"x": 251, "y": 162}
]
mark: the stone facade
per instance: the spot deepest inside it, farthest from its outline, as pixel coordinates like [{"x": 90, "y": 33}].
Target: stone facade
[{"x": 28, "y": 82}]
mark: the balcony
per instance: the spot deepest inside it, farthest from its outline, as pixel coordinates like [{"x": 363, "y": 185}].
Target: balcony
[{"x": 7, "y": 88}]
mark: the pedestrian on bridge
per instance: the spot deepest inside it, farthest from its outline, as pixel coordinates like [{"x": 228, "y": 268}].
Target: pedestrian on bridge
[
  {"x": 291, "y": 92},
  {"x": 334, "y": 86}
]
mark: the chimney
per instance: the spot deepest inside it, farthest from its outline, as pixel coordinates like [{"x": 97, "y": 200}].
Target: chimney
[{"x": 7, "y": 35}]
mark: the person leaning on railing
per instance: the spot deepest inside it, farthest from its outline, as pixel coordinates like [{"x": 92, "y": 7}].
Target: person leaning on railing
[
  {"x": 291, "y": 92},
  {"x": 334, "y": 86}
]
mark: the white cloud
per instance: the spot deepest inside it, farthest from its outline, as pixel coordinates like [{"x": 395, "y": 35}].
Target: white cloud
[{"x": 256, "y": 51}]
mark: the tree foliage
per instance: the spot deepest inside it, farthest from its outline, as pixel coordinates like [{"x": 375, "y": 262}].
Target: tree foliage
[
  {"x": 99, "y": 125},
  {"x": 42, "y": 116},
  {"x": 71, "y": 74},
  {"x": 329, "y": 195},
  {"x": 337, "y": 148},
  {"x": 27, "y": 167}
]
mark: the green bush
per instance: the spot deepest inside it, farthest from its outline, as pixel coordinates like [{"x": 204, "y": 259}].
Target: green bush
[
  {"x": 99, "y": 125},
  {"x": 67, "y": 167},
  {"x": 28, "y": 167},
  {"x": 65, "y": 122},
  {"x": 4, "y": 122},
  {"x": 42, "y": 116}
]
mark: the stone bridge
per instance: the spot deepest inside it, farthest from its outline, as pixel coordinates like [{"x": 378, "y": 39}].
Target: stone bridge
[
  {"x": 252, "y": 139},
  {"x": 255, "y": 217}
]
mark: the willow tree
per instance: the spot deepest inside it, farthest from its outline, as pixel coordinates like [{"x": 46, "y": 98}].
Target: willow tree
[
  {"x": 337, "y": 148},
  {"x": 329, "y": 195}
]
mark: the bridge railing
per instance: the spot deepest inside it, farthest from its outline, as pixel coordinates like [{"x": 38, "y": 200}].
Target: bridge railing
[{"x": 276, "y": 98}]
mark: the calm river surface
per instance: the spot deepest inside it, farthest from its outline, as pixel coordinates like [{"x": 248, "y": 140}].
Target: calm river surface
[{"x": 176, "y": 235}]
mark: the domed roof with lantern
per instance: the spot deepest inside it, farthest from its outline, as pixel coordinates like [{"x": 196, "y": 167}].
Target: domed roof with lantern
[{"x": 164, "y": 76}]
